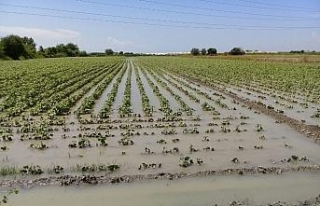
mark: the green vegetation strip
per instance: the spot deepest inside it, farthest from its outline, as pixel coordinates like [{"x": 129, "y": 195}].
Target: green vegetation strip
[
  {"x": 88, "y": 102},
  {"x": 106, "y": 109},
  {"x": 147, "y": 108},
  {"x": 290, "y": 77},
  {"x": 164, "y": 103},
  {"x": 125, "y": 108}
]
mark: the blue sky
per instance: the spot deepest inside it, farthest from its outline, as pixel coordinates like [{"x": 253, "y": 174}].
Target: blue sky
[{"x": 164, "y": 25}]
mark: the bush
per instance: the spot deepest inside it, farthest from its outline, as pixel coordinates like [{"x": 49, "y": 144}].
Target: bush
[
  {"x": 195, "y": 51},
  {"x": 237, "y": 51},
  {"x": 203, "y": 51},
  {"x": 22, "y": 58},
  {"x": 108, "y": 52},
  {"x": 13, "y": 47},
  {"x": 212, "y": 51}
]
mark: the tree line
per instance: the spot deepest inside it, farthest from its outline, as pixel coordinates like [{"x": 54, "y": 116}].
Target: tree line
[
  {"x": 14, "y": 47},
  {"x": 213, "y": 51},
  {"x": 18, "y": 48}
]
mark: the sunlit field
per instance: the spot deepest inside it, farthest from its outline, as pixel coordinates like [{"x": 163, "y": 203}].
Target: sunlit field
[{"x": 118, "y": 120}]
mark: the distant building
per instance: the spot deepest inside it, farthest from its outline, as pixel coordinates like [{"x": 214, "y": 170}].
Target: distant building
[{"x": 168, "y": 53}]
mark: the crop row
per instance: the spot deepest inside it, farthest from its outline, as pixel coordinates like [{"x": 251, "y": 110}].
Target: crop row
[
  {"x": 183, "y": 105},
  {"x": 180, "y": 88},
  {"x": 105, "y": 111},
  {"x": 164, "y": 103},
  {"x": 40, "y": 84},
  {"x": 147, "y": 108},
  {"x": 63, "y": 101},
  {"x": 205, "y": 106},
  {"x": 88, "y": 102},
  {"x": 292, "y": 78},
  {"x": 34, "y": 82},
  {"x": 43, "y": 105},
  {"x": 125, "y": 108}
]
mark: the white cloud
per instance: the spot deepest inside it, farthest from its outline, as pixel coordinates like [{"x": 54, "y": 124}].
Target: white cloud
[
  {"x": 41, "y": 36},
  {"x": 117, "y": 44}
]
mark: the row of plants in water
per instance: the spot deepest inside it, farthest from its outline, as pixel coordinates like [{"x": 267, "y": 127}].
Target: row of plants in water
[
  {"x": 107, "y": 107},
  {"x": 88, "y": 102}
]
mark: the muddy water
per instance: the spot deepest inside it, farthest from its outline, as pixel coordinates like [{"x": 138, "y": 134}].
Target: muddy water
[
  {"x": 226, "y": 146},
  {"x": 290, "y": 188}
]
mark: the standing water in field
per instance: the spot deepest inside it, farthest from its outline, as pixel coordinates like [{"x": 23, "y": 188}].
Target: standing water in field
[{"x": 291, "y": 188}]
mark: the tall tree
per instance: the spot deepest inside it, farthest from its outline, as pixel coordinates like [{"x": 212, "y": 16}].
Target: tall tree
[
  {"x": 203, "y": 51},
  {"x": 30, "y": 47},
  {"x": 29, "y": 42},
  {"x": 16, "y": 47},
  {"x": 72, "y": 50},
  {"x": 108, "y": 52},
  {"x": 61, "y": 48},
  {"x": 50, "y": 51},
  {"x": 2, "y": 56},
  {"x": 13, "y": 47},
  {"x": 237, "y": 51},
  {"x": 195, "y": 51},
  {"x": 212, "y": 51},
  {"x": 41, "y": 50}
]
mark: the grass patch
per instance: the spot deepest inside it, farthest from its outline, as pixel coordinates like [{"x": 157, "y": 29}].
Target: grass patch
[{"x": 8, "y": 170}]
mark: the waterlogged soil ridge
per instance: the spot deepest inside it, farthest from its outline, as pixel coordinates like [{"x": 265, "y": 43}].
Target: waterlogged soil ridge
[{"x": 92, "y": 179}]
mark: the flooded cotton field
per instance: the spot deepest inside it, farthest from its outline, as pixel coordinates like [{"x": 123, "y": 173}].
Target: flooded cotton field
[{"x": 160, "y": 125}]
